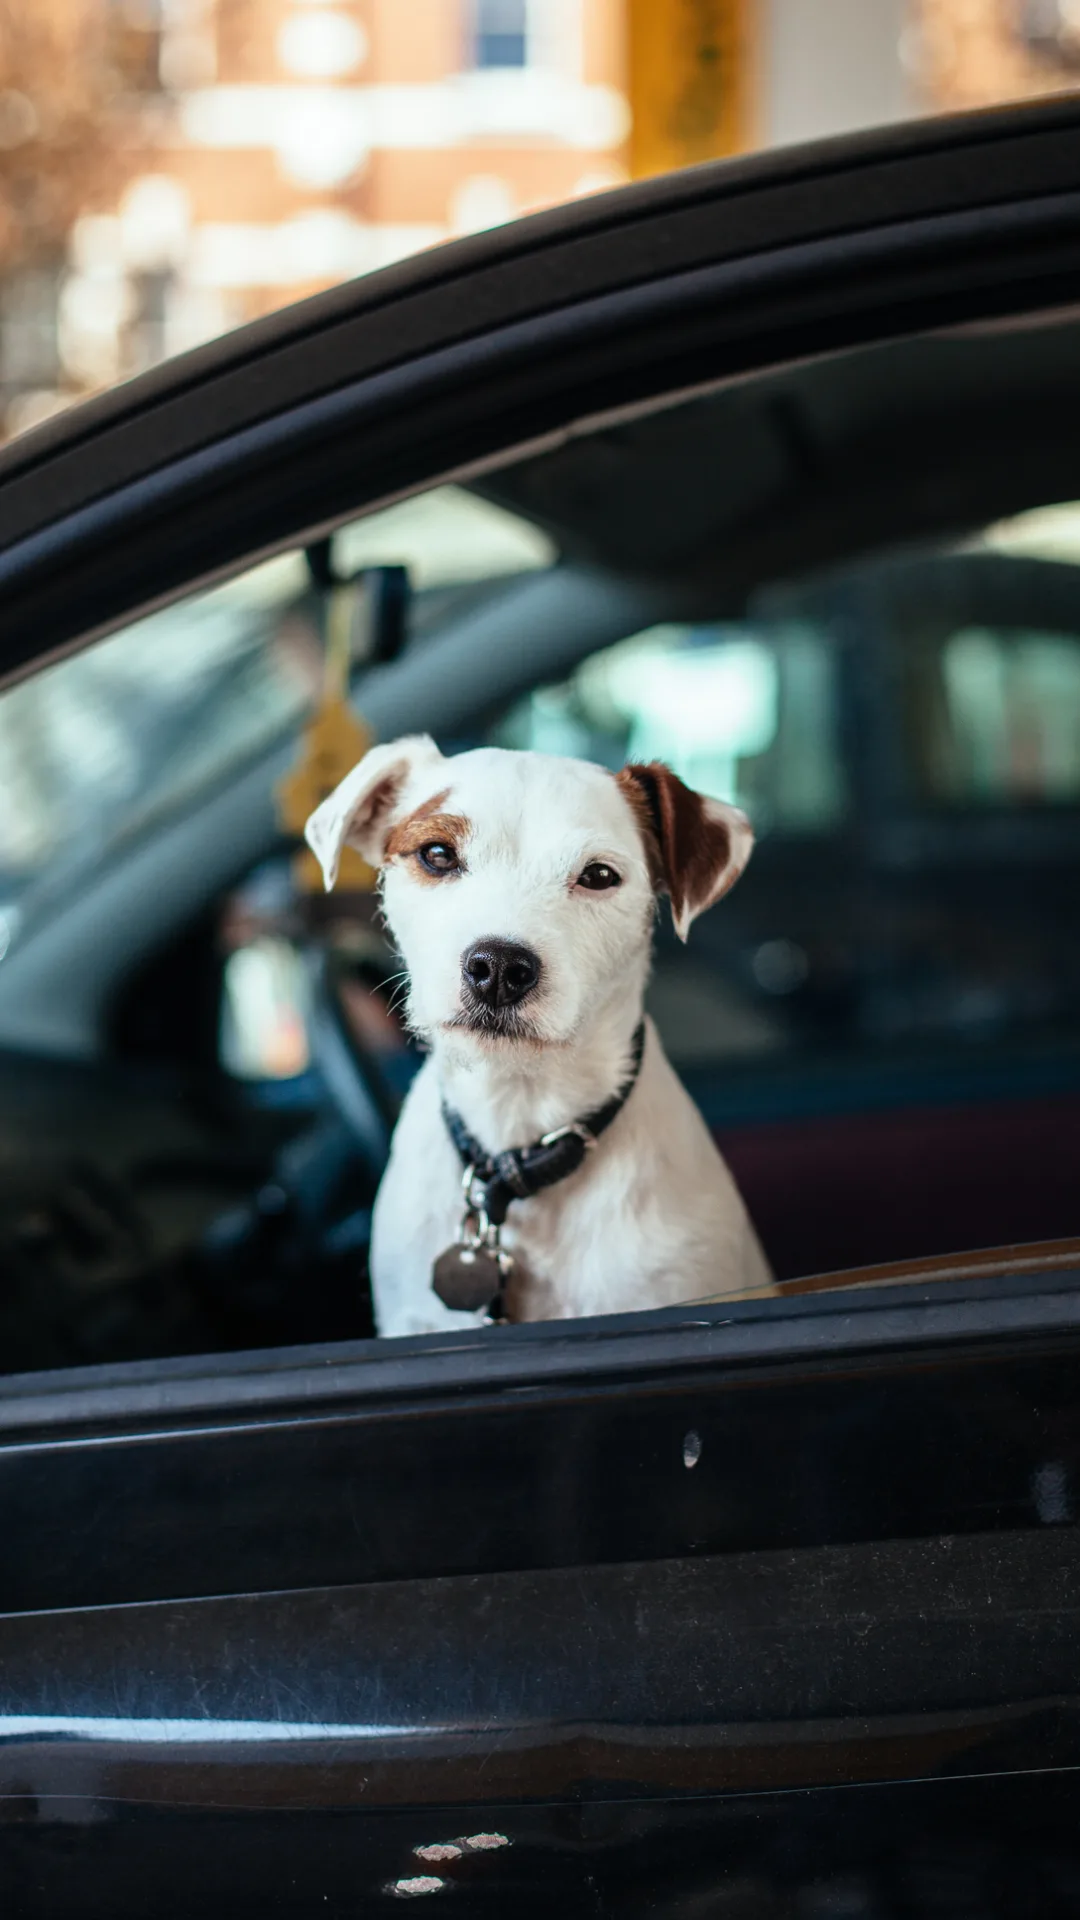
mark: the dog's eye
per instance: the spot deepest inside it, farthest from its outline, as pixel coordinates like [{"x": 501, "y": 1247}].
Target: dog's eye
[
  {"x": 597, "y": 875},
  {"x": 438, "y": 857}
]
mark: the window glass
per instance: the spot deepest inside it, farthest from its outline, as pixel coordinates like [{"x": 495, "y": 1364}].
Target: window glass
[
  {"x": 986, "y": 642},
  {"x": 445, "y": 538},
  {"x": 95, "y": 748},
  {"x": 263, "y": 1024},
  {"x": 1043, "y": 533},
  {"x": 1011, "y": 730},
  {"x": 745, "y": 713},
  {"x": 500, "y": 35}
]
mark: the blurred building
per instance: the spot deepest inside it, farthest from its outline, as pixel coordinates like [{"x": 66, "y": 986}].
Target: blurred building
[
  {"x": 830, "y": 66},
  {"x": 181, "y": 166},
  {"x": 269, "y": 148},
  {"x": 826, "y": 67},
  {"x": 978, "y": 53}
]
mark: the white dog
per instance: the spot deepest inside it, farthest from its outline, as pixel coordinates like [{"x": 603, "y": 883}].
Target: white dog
[{"x": 520, "y": 890}]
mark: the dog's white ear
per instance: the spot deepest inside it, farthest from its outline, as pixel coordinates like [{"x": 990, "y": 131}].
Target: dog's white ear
[
  {"x": 698, "y": 846},
  {"x": 361, "y": 811}
]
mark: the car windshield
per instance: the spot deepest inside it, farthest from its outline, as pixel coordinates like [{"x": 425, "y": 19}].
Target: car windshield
[{"x": 94, "y": 750}]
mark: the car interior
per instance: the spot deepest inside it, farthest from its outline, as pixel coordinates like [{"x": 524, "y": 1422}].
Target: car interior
[{"x": 845, "y": 594}]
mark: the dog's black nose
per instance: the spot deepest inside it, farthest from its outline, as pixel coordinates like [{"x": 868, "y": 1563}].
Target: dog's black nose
[{"x": 500, "y": 973}]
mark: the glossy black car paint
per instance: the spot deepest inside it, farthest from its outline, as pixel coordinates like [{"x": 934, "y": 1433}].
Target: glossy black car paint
[
  {"x": 967, "y": 1847},
  {"x": 328, "y": 1467},
  {"x": 767, "y": 1611},
  {"x": 776, "y": 1599}
]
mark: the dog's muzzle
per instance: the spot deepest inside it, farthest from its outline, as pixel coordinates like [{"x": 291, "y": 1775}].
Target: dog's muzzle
[{"x": 497, "y": 975}]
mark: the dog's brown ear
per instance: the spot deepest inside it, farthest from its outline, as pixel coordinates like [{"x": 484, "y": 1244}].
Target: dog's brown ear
[
  {"x": 361, "y": 811},
  {"x": 697, "y": 846}
]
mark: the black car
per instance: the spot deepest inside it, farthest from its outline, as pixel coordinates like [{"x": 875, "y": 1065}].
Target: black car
[{"x": 746, "y": 1608}]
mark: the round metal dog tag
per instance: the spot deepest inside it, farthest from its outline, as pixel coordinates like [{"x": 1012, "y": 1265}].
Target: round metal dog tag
[{"x": 467, "y": 1278}]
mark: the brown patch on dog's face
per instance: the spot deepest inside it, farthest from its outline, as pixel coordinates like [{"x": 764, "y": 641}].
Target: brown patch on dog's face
[
  {"x": 687, "y": 840},
  {"x": 427, "y": 825},
  {"x": 400, "y": 840}
]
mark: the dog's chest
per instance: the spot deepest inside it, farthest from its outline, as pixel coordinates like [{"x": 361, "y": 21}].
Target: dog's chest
[
  {"x": 613, "y": 1236},
  {"x": 569, "y": 1257},
  {"x": 558, "y": 1265},
  {"x": 545, "y": 1280},
  {"x": 583, "y": 1247}
]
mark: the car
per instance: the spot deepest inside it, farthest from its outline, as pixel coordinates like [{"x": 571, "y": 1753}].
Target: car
[{"x": 761, "y": 1607}]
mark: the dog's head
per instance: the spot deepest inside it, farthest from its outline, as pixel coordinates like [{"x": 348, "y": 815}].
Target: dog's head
[{"x": 520, "y": 887}]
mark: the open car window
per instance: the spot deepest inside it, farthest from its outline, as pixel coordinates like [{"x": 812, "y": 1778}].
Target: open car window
[{"x": 889, "y": 1064}]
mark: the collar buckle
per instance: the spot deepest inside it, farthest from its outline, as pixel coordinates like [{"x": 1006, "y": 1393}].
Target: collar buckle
[
  {"x": 473, "y": 1189},
  {"x": 561, "y": 1133}
]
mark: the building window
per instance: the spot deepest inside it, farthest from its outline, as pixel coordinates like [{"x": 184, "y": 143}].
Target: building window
[{"x": 500, "y": 33}]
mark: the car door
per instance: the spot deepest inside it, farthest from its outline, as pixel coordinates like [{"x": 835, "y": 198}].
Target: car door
[{"x": 758, "y": 1608}]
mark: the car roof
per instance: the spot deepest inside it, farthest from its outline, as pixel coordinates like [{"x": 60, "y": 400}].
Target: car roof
[{"x": 779, "y": 476}]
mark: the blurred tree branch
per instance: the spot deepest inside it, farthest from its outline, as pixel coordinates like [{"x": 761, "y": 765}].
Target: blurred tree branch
[{"x": 60, "y": 87}]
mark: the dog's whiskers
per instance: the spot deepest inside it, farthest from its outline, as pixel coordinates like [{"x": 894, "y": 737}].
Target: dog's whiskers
[{"x": 398, "y": 986}]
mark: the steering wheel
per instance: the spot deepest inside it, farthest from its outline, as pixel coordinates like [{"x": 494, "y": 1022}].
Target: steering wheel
[
  {"x": 358, "y": 1090},
  {"x": 300, "y": 1245}
]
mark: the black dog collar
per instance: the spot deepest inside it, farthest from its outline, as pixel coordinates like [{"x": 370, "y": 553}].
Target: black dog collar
[
  {"x": 521, "y": 1172},
  {"x": 471, "y": 1276}
]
